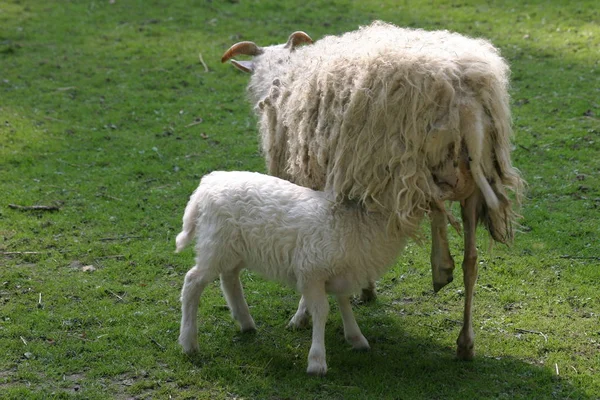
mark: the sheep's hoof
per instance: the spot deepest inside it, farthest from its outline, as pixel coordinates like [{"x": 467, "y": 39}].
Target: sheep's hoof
[
  {"x": 368, "y": 295},
  {"x": 465, "y": 353},
  {"x": 437, "y": 286},
  {"x": 248, "y": 326}
]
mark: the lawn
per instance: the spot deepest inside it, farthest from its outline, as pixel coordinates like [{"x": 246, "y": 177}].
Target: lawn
[{"x": 111, "y": 111}]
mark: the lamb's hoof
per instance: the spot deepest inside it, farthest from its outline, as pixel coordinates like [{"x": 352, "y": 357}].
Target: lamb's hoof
[
  {"x": 465, "y": 353},
  {"x": 359, "y": 343},
  {"x": 368, "y": 295},
  {"x": 297, "y": 324},
  {"x": 190, "y": 348},
  {"x": 188, "y": 340},
  {"x": 316, "y": 369}
]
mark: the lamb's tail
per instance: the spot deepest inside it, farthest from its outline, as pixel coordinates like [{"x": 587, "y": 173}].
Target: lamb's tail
[{"x": 190, "y": 219}]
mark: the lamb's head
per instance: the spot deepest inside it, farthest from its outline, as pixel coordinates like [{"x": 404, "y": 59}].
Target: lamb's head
[
  {"x": 276, "y": 52},
  {"x": 267, "y": 63}
]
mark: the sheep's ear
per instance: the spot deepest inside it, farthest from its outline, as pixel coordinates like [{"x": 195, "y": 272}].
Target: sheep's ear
[
  {"x": 244, "y": 66},
  {"x": 296, "y": 39}
]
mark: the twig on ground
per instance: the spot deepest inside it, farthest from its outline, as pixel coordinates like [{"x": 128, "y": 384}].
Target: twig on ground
[
  {"x": 202, "y": 62},
  {"x": 196, "y": 122},
  {"x": 107, "y": 196},
  {"x": 116, "y": 256},
  {"x": 23, "y": 340},
  {"x": 533, "y": 332},
  {"x": 160, "y": 346},
  {"x": 54, "y": 119},
  {"x": 34, "y": 208},
  {"x": 21, "y": 253},
  {"x": 114, "y": 294},
  {"x": 108, "y": 239},
  {"x": 575, "y": 369},
  {"x": 580, "y": 257}
]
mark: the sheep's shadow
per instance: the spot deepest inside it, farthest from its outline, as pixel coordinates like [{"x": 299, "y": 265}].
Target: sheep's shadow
[{"x": 399, "y": 365}]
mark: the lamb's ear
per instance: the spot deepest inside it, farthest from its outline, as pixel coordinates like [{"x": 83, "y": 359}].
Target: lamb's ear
[
  {"x": 296, "y": 39},
  {"x": 244, "y": 66}
]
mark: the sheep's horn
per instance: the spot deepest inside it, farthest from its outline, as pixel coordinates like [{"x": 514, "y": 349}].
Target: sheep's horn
[
  {"x": 296, "y": 39},
  {"x": 246, "y": 48}
]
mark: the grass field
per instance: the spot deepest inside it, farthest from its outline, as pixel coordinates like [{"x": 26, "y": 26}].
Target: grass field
[{"x": 107, "y": 115}]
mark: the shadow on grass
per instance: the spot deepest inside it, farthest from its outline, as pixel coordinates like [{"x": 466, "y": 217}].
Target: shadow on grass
[{"x": 398, "y": 366}]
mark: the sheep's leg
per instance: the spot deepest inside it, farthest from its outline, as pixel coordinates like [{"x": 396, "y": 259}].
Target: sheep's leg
[
  {"x": 352, "y": 332},
  {"x": 318, "y": 306},
  {"x": 442, "y": 263},
  {"x": 195, "y": 281},
  {"x": 369, "y": 293},
  {"x": 234, "y": 294},
  {"x": 466, "y": 339},
  {"x": 301, "y": 318}
]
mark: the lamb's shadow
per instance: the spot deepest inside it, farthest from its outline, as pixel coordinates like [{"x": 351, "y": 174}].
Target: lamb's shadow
[{"x": 401, "y": 365}]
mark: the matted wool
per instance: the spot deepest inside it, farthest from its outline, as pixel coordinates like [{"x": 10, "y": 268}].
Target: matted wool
[{"x": 381, "y": 115}]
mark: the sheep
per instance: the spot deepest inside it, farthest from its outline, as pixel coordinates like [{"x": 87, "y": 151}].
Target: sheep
[
  {"x": 287, "y": 233},
  {"x": 400, "y": 120}
]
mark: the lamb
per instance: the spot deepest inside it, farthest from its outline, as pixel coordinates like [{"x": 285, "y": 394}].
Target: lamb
[
  {"x": 287, "y": 233},
  {"x": 400, "y": 120}
]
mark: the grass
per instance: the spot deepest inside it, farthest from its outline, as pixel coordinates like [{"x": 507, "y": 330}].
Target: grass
[{"x": 107, "y": 113}]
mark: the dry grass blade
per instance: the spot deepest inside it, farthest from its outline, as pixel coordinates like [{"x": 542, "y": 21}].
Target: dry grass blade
[{"x": 34, "y": 207}]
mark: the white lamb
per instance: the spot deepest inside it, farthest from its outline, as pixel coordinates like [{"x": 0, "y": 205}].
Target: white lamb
[
  {"x": 287, "y": 233},
  {"x": 399, "y": 120}
]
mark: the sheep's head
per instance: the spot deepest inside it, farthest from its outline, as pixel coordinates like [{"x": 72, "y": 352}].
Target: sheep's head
[{"x": 251, "y": 49}]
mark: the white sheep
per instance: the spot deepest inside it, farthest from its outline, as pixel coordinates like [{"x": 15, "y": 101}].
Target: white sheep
[
  {"x": 287, "y": 233},
  {"x": 397, "y": 119}
]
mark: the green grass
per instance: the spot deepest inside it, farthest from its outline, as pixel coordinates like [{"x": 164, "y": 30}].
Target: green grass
[{"x": 100, "y": 110}]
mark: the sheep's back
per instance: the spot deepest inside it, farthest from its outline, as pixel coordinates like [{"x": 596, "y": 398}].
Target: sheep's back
[{"x": 368, "y": 114}]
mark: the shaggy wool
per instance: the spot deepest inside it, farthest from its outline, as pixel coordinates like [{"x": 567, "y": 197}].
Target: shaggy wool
[{"x": 383, "y": 115}]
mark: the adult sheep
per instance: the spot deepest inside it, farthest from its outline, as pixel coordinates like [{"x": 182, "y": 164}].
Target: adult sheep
[{"x": 400, "y": 120}]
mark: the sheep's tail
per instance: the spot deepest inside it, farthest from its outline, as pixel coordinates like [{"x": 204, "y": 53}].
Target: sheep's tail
[
  {"x": 190, "y": 219},
  {"x": 472, "y": 126},
  {"x": 486, "y": 189}
]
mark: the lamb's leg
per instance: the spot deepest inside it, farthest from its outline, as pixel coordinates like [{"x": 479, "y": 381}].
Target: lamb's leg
[
  {"x": 466, "y": 339},
  {"x": 352, "y": 332},
  {"x": 234, "y": 294},
  {"x": 369, "y": 293},
  {"x": 301, "y": 318},
  {"x": 318, "y": 306},
  {"x": 195, "y": 281},
  {"x": 442, "y": 263}
]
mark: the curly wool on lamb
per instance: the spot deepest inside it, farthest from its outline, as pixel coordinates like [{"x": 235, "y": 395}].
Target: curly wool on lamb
[{"x": 287, "y": 233}]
